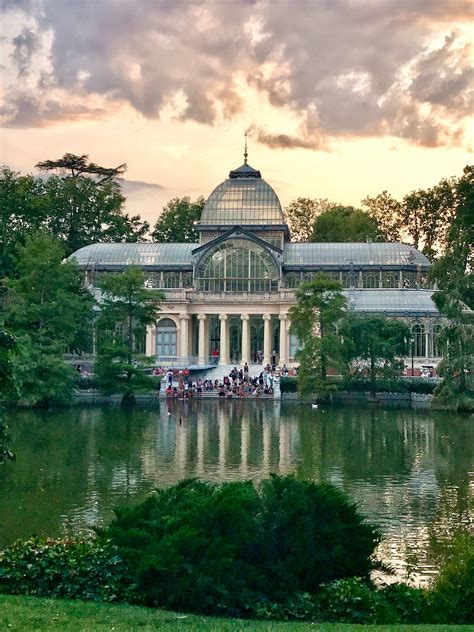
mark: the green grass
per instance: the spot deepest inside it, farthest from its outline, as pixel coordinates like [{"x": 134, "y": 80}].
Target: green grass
[{"x": 32, "y": 613}]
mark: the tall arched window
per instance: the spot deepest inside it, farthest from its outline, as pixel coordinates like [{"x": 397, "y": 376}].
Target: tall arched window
[
  {"x": 349, "y": 279},
  {"x": 166, "y": 338},
  {"x": 370, "y": 279},
  {"x": 419, "y": 340},
  {"x": 292, "y": 280},
  {"x": 390, "y": 279},
  {"x": 237, "y": 265},
  {"x": 171, "y": 279}
]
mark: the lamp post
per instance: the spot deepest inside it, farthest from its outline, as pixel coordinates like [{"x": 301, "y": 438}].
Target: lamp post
[{"x": 412, "y": 341}]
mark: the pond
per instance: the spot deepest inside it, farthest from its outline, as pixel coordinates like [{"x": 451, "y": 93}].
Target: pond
[{"x": 410, "y": 472}]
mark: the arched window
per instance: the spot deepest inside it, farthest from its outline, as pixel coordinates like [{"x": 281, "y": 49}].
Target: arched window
[
  {"x": 418, "y": 340},
  {"x": 152, "y": 279},
  {"x": 349, "y": 279},
  {"x": 187, "y": 279},
  {"x": 166, "y": 338},
  {"x": 409, "y": 280},
  {"x": 237, "y": 265},
  {"x": 292, "y": 280},
  {"x": 171, "y": 279},
  {"x": 370, "y": 279},
  {"x": 390, "y": 279},
  {"x": 437, "y": 344}
]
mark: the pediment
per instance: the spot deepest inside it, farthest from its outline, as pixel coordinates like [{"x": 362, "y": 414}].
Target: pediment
[{"x": 237, "y": 231}]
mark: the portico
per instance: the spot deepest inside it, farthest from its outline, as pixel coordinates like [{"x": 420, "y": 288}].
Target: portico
[{"x": 246, "y": 337}]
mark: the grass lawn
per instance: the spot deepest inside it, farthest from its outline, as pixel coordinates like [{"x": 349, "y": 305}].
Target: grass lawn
[{"x": 32, "y": 613}]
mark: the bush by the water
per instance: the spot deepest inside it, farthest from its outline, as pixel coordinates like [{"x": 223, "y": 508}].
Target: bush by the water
[
  {"x": 76, "y": 568},
  {"x": 222, "y": 548}
]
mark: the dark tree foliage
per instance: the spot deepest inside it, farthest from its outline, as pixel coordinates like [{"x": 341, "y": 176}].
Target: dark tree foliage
[
  {"x": 77, "y": 166},
  {"x": 346, "y": 224},
  {"x": 126, "y": 309},
  {"x": 314, "y": 319},
  {"x": 49, "y": 311},
  {"x": 83, "y": 204},
  {"x": 7, "y": 389},
  {"x": 214, "y": 548},
  {"x": 374, "y": 344},
  {"x": 177, "y": 221}
]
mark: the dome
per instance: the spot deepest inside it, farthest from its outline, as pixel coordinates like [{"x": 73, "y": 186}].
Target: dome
[{"x": 243, "y": 199}]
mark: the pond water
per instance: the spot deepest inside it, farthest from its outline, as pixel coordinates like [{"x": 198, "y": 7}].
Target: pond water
[{"x": 410, "y": 472}]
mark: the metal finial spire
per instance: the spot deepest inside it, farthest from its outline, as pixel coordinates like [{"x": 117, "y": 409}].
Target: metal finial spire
[{"x": 245, "y": 149}]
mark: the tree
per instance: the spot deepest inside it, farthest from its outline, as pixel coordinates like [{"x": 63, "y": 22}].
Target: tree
[
  {"x": 78, "y": 207},
  {"x": 86, "y": 204},
  {"x": 7, "y": 390},
  {"x": 77, "y": 166},
  {"x": 301, "y": 215},
  {"x": 453, "y": 272},
  {"x": 49, "y": 311},
  {"x": 386, "y": 211},
  {"x": 126, "y": 309},
  {"x": 375, "y": 343},
  {"x": 314, "y": 319},
  {"x": 345, "y": 223},
  {"x": 22, "y": 211},
  {"x": 177, "y": 221}
]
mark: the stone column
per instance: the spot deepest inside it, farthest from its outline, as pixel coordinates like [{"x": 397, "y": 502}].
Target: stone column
[
  {"x": 267, "y": 338},
  {"x": 245, "y": 339},
  {"x": 184, "y": 336},
  {"x": 149, "y": 340},
  {"x": 202, "y": 339},
  {"x": 224, "y": 342},
  {"x": 283, "y": 339}
]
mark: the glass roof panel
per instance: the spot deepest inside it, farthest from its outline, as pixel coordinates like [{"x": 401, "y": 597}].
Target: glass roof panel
[
  {"x": 399, "y": 301},
  {"x": 134, "y": 254},
  {"x": 243, "y": 201},
  {"x": 370, "y": 253}
]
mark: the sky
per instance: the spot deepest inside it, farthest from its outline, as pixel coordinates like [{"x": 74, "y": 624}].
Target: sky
[{"x": 340, "y": 98}]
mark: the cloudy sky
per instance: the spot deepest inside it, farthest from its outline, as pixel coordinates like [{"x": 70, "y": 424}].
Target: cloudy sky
[{"x": 341, "y": 98}]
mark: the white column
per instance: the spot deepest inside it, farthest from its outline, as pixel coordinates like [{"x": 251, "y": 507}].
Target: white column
[
  {"x": 245, "y": 339},
  {"x": 202, "y": 339},
  {"x": 224, "y": 343},
  {"x": 283, "y": 339},
  {"x": 267, "y": 342},
  {"x": 184, "y": 335}
]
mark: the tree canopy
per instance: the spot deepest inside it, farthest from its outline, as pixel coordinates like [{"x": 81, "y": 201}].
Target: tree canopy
[
  {"x": 126, "y": 309},
  {"x": 345, "y": 223},
  {"x": 314, "y": 319},
  {"x": 301, "y": 215},
  {"x": 79, "y": 206},
  {"x": 177, "y": 221},
  {"x": 376, "y": 344},
  {"x": 49, "y": 311}
]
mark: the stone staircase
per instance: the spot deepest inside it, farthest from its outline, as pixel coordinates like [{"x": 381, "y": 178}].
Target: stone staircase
[{"x": 218, "y": 372}]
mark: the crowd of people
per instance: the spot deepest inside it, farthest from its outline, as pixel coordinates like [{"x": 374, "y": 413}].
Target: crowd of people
[{"x": 239, "y": 383}]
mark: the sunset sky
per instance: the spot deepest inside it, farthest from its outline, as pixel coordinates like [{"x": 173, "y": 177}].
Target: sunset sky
[{"x": 341, "y": 98}]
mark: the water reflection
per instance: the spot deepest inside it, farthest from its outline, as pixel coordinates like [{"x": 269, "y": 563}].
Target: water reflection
[{"x": 412, "y": 473}]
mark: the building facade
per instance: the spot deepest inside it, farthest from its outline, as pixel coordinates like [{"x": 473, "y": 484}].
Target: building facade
[{"x": 227, "y": 297}]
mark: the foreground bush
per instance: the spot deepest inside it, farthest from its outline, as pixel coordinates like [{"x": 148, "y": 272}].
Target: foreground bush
[
  {"x": 222, "y": 548},
  {"x": 453, "y": 590},
  {"x": 82, "y": 568}
]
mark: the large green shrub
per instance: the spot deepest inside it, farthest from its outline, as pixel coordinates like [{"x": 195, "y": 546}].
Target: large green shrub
[
  {"x": 453, "y": 591},
  {"x": 222, "y": 548},
  {"x": 81, "y": 568}
]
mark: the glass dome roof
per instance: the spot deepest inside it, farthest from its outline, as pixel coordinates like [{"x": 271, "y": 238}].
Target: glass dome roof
[{"x": 244, "y": 198}]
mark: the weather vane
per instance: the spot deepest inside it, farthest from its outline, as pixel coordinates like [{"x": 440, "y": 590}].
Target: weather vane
[{"x": 245, "y": 149}]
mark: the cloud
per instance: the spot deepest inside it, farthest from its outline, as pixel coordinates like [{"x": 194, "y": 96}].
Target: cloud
[
  {"x": 25, "y": 45},
  {"x": 339, "y": 67},
  {"x": 138, "y": 186}
]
